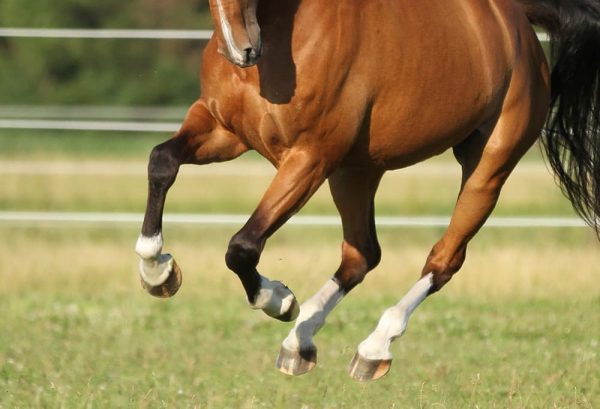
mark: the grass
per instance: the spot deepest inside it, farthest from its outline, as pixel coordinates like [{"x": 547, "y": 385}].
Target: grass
[
  {"x": 512, "y": 330},
  {"x": 81, "y": 145},
  {"x": 78, "y": 298},
  {"x": 103, "y": 351},
  {"x": 97, "y": 185},
  {"x": 516, "y": 328}
]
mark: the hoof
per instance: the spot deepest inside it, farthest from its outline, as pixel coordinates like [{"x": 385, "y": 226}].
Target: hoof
[
  {"x": 296, "y": 362},
  {"x": 171, "y": 285},
  {"x": 363, "y": 369},
  {"x": 292, "y": 312},
  {"x": 277, "y": 301}
]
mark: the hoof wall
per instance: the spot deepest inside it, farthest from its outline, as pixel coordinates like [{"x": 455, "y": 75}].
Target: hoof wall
[
  {"x": 292, "y": 312},
  {"x": 363, "y": 369},
  {"x": 167, "y": 289},
  {"x": 296, "y": 362}
]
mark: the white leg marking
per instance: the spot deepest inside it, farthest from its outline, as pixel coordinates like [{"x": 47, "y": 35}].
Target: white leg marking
[
  {"x": 274, "y": 298},
  {"x": 154, "y": 267},
  {"x": 156, "y": 271},
  {"x": 228, "y": 34},
  {"x": 312, "y": 316},
  {"x": 393, "y": 322},
  {"x": 149, "y": 247}
]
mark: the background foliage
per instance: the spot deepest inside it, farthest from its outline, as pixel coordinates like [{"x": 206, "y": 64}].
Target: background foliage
[{"x": 111, "y": 72}]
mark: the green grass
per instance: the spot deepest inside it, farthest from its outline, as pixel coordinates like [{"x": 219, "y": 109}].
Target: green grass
[
  {"x": 81, "y": 145},
  {"x": 430, "y": 188},
  {"x": 107, "y": 351},
  {"x": 516, "y": 328}
]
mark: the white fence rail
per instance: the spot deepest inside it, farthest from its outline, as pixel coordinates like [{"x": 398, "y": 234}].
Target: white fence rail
[
  {"x": 106, "y": 33},
  {"x": 115, "y": 126},
  {"x": 95, "y": 125},
  {"x": 122, "y": 33}
]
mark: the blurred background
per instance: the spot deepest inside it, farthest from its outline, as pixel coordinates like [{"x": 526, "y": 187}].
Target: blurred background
[{"x": 517, "y": 327}]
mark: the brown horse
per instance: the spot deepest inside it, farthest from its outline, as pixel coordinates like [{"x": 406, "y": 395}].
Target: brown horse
[{"x": 346, "y": 90}]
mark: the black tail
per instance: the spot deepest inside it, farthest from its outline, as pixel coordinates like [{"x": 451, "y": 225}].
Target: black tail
[{"x": 572, "y": 135}]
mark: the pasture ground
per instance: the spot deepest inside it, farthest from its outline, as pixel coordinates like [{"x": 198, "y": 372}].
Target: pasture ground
[{"x": 516, "y": 328}]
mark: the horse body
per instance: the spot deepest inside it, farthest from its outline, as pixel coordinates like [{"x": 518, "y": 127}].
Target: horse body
[
  {"x": 387, "y": 120},
  {"x": 344, "y": 91}
]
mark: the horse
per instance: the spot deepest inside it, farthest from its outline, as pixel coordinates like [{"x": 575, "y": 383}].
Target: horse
[{"x": 346, "y": 90}]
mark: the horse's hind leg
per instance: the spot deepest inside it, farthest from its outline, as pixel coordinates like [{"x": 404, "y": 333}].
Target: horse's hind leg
[
  {"x": 199, "y": 141},
  {"x": 487, "y": 158},
  {"x": 353, "y": 192}
]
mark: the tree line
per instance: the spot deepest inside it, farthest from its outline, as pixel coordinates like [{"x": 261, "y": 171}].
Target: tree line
[{"x": 101, "y": 71}]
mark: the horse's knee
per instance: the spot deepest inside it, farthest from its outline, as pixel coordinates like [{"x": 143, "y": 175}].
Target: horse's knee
[
  {"x": 163, "y": 165},
  {"x": 242, "y": 254},
  {"x": 443, "y": 266}
]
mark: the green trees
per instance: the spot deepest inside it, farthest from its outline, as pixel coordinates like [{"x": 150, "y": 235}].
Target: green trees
[{"x": 99, "y": 71}]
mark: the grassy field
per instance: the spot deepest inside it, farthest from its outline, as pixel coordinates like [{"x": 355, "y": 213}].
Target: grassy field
[{"x": 517, "y": 328}]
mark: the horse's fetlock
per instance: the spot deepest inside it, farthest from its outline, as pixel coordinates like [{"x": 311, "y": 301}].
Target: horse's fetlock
[
  {"x": 373, "y": 257},
  {"x": 242, "y": 254}
]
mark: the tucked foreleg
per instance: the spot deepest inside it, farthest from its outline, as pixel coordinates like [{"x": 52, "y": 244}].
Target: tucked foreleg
[
  {"x": 199, "y": 141},
  {"x": 298, "y": 177}
]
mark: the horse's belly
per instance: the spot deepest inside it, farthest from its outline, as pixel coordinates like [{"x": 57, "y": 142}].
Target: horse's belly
[
  {"x": 433, "y": 88},
  {"x": 400, "y": 136}
]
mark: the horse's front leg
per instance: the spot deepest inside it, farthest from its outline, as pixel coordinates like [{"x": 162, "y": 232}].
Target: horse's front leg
[
  {"x": 298, "y": 177},
  {"x": 353, "y": 192},
  {"x": 200, "y": 140}
]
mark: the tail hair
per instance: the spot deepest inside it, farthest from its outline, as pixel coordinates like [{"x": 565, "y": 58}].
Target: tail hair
[{"x": 571, "y": 138}]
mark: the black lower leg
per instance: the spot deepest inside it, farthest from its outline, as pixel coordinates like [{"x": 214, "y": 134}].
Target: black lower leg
[
  {"x": 242, "y": 258},
  {"x": 162, "y": 171}
]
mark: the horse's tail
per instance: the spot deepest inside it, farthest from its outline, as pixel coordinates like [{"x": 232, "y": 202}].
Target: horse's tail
[{"x": 572, "y": 135}]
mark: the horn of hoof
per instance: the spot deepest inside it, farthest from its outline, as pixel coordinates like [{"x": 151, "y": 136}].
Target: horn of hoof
[
  {"x": 169, "y": 288},
  {"x": 363, "y": 369},
  {"x": 296, "y": 362},
  {"x": 291, "y": 314}
]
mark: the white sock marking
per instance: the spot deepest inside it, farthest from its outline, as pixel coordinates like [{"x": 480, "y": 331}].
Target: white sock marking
[
  {"x": 149, "y": 247},
  {"x": 393, "y": 322},
  {"x": 154, "y": 267},
  {"x": 273, "y": 298},
  {"x": 312, "y": 316}
]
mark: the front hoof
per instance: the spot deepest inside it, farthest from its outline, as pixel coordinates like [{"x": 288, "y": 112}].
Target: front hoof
[
  {"x": 364, "y": 369},
  {"x": 278, "y": 301},
  {"x": 292, "y": 313},
  {"x": 171, "y": 285},
  {"x": 296, "y": 362}
]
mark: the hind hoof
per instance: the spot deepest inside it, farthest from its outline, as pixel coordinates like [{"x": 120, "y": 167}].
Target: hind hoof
[
  {"x": 363, "y": 369},
  {"x": 171, "y": 285},
  {"x": 296, "y": 362}
]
